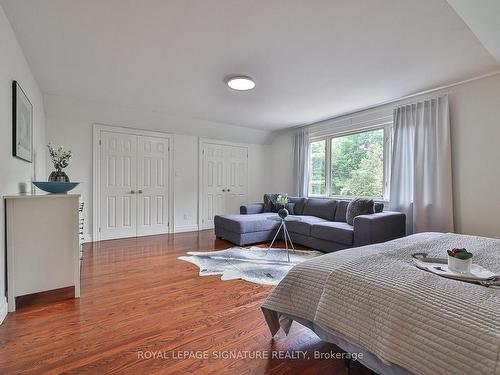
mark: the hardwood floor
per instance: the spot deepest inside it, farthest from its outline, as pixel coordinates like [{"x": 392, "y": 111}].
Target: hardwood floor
[{"x": 138, "y": 299}]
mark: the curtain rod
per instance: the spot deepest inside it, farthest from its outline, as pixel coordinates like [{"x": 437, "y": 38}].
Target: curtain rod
[{"x": 392, "y": 101}]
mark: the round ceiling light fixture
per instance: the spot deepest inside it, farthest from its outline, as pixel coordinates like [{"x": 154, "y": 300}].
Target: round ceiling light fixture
[{"x": 240, "y": 83}]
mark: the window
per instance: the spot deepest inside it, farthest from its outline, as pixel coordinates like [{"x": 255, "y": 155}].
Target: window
[
  {"x": 355, "y": 166},
  {"x": 317, "y": 181}
]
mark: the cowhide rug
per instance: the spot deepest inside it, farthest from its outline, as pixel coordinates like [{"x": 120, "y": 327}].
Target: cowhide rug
[{"x": 257, "y": 265}]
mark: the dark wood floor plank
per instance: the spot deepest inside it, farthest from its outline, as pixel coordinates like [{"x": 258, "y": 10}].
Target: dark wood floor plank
[{"x": 137, "y": 296}]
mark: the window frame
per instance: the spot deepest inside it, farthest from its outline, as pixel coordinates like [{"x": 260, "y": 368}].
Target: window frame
[
  {"x": 309, "y": 186},
  {"x": 388, "y": 136}
]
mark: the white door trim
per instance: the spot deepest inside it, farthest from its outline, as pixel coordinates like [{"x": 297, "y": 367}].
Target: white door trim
[
  {"x": 96, "y": 155},
  {"x": 201, "y": 142}
]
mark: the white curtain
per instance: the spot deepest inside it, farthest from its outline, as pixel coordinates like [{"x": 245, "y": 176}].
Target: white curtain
[
  {"x": 421, "y": 181},
  {"x": 301, "y": 162}
]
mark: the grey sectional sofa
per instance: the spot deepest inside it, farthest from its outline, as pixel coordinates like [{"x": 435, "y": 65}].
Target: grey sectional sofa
[{"x": 322, "y": 225}]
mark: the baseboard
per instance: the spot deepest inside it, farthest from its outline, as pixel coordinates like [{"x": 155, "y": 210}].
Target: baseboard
[
  {"x": 177, "y": 229},
  {"x": 3, "y": 308},
  {"x": 186, "y": 228}
]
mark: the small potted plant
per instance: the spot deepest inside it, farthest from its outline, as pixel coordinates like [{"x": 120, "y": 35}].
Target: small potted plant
[
  {"x": 459, "y": 260},
  {"x": 282, "y": 201},
  {"x": 60, "y": 159}
]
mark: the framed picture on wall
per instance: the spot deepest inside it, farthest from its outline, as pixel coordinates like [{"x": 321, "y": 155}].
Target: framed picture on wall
[{"x": 22, "y": 124}]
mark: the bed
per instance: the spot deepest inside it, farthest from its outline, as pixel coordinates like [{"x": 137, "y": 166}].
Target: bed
[{"x": 373, "y": 300}]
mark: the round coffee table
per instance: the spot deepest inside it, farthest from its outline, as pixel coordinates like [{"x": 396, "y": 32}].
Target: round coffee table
[{"x": 286, "y": 235}]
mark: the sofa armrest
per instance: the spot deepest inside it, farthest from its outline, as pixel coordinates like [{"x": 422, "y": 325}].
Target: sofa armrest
[
  {"x": 379, "y": 227},
  {"x": 254, "y": 208}
]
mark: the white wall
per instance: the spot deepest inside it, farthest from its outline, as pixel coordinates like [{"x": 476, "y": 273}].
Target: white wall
[
  {"x": 14, "y": 171},
  {"x": 282, "y": 168},
  {"x": 475, "y": 131},
  {"x": 185, "y": 182},
  {"x": 69, "y": 122},
  {"x": 260, "y": 167}
]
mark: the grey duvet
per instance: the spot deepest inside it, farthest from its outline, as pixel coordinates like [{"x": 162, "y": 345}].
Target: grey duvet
[{"x": 376, "y": 299}]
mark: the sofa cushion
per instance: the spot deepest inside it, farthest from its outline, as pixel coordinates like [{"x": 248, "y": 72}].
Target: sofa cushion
[
  {"x": 341, "y": 211},
  {"x": 299, "y": 204},
  {"x": 334, "y": 231},
  {"x": 379, "y": 207},
  {"x": 291, "y": 208},
  {"x": 359, "y": 206},
  {"x": 246, "y": 223},
  {"x": 303, "y": 226},
  {"x": 323, "y": 208},
  {"x": 254, "y": 208}
]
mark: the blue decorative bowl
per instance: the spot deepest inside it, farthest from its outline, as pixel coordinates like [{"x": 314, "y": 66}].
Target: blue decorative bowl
[{"x": 55, "y": 187}]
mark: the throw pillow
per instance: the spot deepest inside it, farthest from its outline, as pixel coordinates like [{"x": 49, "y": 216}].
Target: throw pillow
[
  {"x": 270, "y": 204},
  {"x": 359, "y": 206},
  {"x": 267, "y": 203},
  {"x": 379, "y": 207}
]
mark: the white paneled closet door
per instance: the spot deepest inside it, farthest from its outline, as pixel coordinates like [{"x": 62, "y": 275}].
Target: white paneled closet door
[
  {"x": 214, "y": 180},
  {"x": 133, "y": 187},
  {"x": 224, "y": 182},
  {"x": 118, "y": 201},
  {"x": 152, "y": 193},
  {"x": 236, "y": 181}
]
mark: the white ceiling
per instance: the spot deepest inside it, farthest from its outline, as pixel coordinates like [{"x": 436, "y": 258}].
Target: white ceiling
[{"x": 310, "y": 59}]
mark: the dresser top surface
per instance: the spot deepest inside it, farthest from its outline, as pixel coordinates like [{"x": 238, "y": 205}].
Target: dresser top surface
[{"x": 36, "y": 196}]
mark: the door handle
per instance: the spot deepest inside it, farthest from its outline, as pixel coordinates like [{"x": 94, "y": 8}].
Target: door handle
[
  {"x": 228, "y": 190},
  {"x": 132, "y": 191},
  {"x": 140, "y": 191},
  {"x": 223, "y": 190}
]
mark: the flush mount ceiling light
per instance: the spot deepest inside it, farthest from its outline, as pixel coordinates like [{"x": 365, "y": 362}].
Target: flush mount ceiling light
[{"x": 240, "y": 83}]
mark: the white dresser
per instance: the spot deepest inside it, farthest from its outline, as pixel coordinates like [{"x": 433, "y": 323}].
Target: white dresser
[{"x": 43, "y": 247}]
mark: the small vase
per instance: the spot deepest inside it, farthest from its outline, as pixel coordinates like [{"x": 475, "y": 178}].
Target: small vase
[
  {"x": 283, "y": 213},
  {"x": 459, "y": 265},
  {"x": 58, "y": 176}
]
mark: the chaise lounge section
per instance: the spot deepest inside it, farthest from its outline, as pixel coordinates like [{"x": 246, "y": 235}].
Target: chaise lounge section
[{"x": 322, "y": 225}]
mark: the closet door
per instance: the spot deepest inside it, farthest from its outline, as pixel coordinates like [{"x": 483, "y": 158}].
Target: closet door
[
  {"x": 117, "y": 185},
  {"x": 213, "y": 184},
  {"x": 224, "y": 183},
  {"x": 152, "y": 185},
  {"x": 236, "y": 181}
]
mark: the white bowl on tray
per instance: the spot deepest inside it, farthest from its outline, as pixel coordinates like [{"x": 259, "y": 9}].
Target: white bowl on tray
[{"x": 459, "y": 265}]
